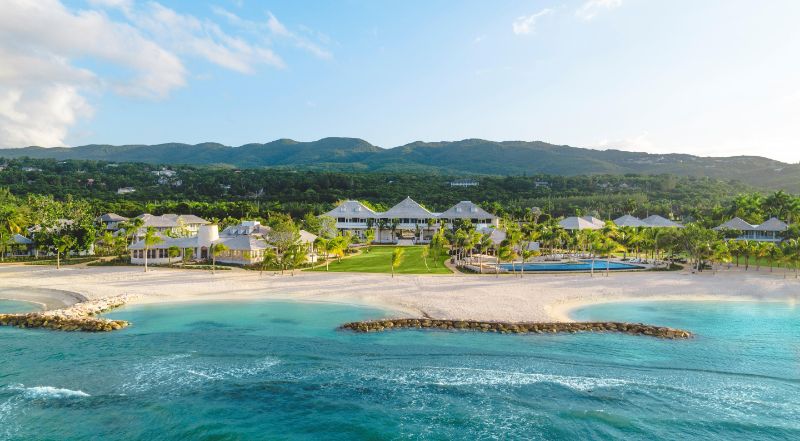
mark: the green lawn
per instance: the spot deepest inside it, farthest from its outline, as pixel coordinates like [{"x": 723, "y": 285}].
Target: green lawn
[{"x": 379, "y": 258}]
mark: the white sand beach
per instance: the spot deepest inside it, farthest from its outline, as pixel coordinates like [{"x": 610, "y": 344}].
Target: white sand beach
[{"x": 540, "y": 297}]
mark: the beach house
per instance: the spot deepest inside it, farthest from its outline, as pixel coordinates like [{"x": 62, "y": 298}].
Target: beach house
[
  {"x": 769, "y": 231},
  {"x": 244, "y": 244}
]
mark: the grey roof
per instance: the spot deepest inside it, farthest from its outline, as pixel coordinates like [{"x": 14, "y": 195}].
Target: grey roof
[
  {"x": 170, "y": 220},
  {"x": 629, "y": 221},
  {"x": 495, "y": 236},
  {"x": 247, "y": 228},
  {"x": 243, "y": 243},
  {"x": 407, "y": 208},
  {"x": 112, "y": 217},
  {"x": 351, "y": 208},
  {"x": 773, "y": 224},
  {"x": 600, "y": 223},
  {"x": 736, "y": 223},
  {"x": 577, "y": 223},
  {"x": 307, "y": 237},
  {"x": 21, "y": 240},
  {"x": 657, "y": 221},
  {"x": 466, "y": 210}
]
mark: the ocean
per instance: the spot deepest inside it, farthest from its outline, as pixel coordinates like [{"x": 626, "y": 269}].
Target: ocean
[{"x": 278, "y": 370}]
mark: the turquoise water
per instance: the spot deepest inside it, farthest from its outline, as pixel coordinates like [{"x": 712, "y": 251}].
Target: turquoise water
[
  {"x": 281, "y": 371},
  {"x": 583, "y": 265},
  {"x": 14, "y": 306}
]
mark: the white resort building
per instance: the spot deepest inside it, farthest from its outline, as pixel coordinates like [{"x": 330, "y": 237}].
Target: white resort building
[
  {"x": 407, "y": 221},
  {"x": 245, "y": 245},
  {"x": 172, "y": 224},
  {"x": 769, "y": 231}
]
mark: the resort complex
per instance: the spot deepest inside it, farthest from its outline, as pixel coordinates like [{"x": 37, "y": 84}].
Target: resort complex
[{"x": 407, "y": 222}]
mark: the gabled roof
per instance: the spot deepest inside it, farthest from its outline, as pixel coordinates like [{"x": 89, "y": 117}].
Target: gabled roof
[
  {"x": 629, "y": 221},
  {"x": 737, "y": 224},
  {"x": 594, "y": 220},
  {"x": 407, "y": 208},
  {"x": 495, "y": 236},
  {"x": 466, "y": 210},
  {"x": 21, "y": 240},
  {"x": 307, "y": 237},
  {"x": 243, "y": 243},
  {"x": 657, "y": 221},
  {"x": 112, "y": 217},
  {"x": 577, "y": 223},
  {"x": 246, "y": 228},
  {"x": 773, "y": 224},
  {"x": 170, "y": 220},
  {"x": 351, "y": 208}
]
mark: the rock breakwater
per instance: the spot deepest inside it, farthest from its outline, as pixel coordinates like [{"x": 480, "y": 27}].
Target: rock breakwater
[
  {"x": 78, "y": 317},
  {"x": 518, "y": 328}
]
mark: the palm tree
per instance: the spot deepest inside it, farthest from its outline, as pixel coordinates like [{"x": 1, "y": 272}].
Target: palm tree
[
  {"x": 150, "y": 238},
  {"x": 216, "y": 249},
  {"x": 382, "y": 224},
  {"x": 505, "y": 253},
  {"x": 62, "y": 245},
  {"x": 369, "y": 236},
  {"x": 483, "y": 246},
  {"x": 173, "y": 252},
  {"x": 132, "y": 228},
  {"x": 606, "y": 247},
  {"x": 6, "y": 240},
  {"x": 397, "y": 258},
  {"x": 270, "y": 260},
  {"x": 323, "y": 246}
]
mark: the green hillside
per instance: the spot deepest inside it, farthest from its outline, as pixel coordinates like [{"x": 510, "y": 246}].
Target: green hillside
[{"x": 470, "y": 156}]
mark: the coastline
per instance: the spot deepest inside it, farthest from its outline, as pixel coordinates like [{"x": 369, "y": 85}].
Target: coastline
[{"x": 532, "y": 298}]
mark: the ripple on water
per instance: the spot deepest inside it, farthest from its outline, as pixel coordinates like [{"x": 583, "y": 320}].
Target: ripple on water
[{"x": 177, "y": 372}]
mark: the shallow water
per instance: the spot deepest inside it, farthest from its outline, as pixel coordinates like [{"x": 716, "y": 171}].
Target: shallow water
[
  {"x": 270, "y": 370},
  {"x": 15, "y": 306}
]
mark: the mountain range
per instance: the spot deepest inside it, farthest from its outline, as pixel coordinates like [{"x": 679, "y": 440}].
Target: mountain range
[{"x": 466, "y": 157}]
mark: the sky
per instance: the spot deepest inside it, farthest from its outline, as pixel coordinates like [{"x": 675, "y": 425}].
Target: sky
[{"x": 710, "y": 78}]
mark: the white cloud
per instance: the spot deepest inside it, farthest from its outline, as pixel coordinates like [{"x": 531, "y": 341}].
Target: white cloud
[
  {"x": 274, "y": 28},
  {"x": 45, "y": 46},
  {"x": 591, "y": 8},
  {"x": 526, "y": 24}
]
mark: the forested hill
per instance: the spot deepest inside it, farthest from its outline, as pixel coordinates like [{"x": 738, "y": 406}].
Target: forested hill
[{"x": 470, "y": 156}]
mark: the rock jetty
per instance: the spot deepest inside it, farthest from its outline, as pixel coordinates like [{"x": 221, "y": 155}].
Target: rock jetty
[
  {"x": 78, "y": 317},
  {"x": 517, "y": 328}
]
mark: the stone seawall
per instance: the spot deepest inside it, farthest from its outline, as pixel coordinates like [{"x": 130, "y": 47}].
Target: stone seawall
[
  {"x": 518, "y": 328},
  {"x": 78, "y": 317}
]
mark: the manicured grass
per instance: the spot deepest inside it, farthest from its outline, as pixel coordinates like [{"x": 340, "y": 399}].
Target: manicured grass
[{"x": 378, "y": 260}]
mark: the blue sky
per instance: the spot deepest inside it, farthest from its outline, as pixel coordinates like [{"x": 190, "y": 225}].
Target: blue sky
[{"x": 707, "y": 78}]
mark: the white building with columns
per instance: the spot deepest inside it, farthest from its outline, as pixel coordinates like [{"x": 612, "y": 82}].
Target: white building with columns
[{"x": 407, "y": 220}]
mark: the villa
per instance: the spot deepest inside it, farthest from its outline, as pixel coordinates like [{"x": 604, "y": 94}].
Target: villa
[
  {"x": 769, "y": 231},
  {"x": 593, "y": 223},
  {"x": 111, "y": 221},
  {"x": 407, "y": 221},
  {"x": 245, "y": 244},
  {"x": 172, "y": 224}
]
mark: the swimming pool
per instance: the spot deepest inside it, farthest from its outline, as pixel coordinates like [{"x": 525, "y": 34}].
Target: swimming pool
[{"x": 583, "y": 265}]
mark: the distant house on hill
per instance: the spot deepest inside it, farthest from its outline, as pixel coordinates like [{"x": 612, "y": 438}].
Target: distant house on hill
[
  {"x": 464, "y": 183},
  {"x": 125, "y": 190}
]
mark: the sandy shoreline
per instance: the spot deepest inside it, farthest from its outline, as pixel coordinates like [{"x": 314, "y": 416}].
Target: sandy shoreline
[{"x": 539, "y": 297}]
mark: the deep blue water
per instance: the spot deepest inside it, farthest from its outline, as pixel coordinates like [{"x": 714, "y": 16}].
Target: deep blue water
[
  {"x": 281, "y": 371},
  {"x": 583, "y": 265}
]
